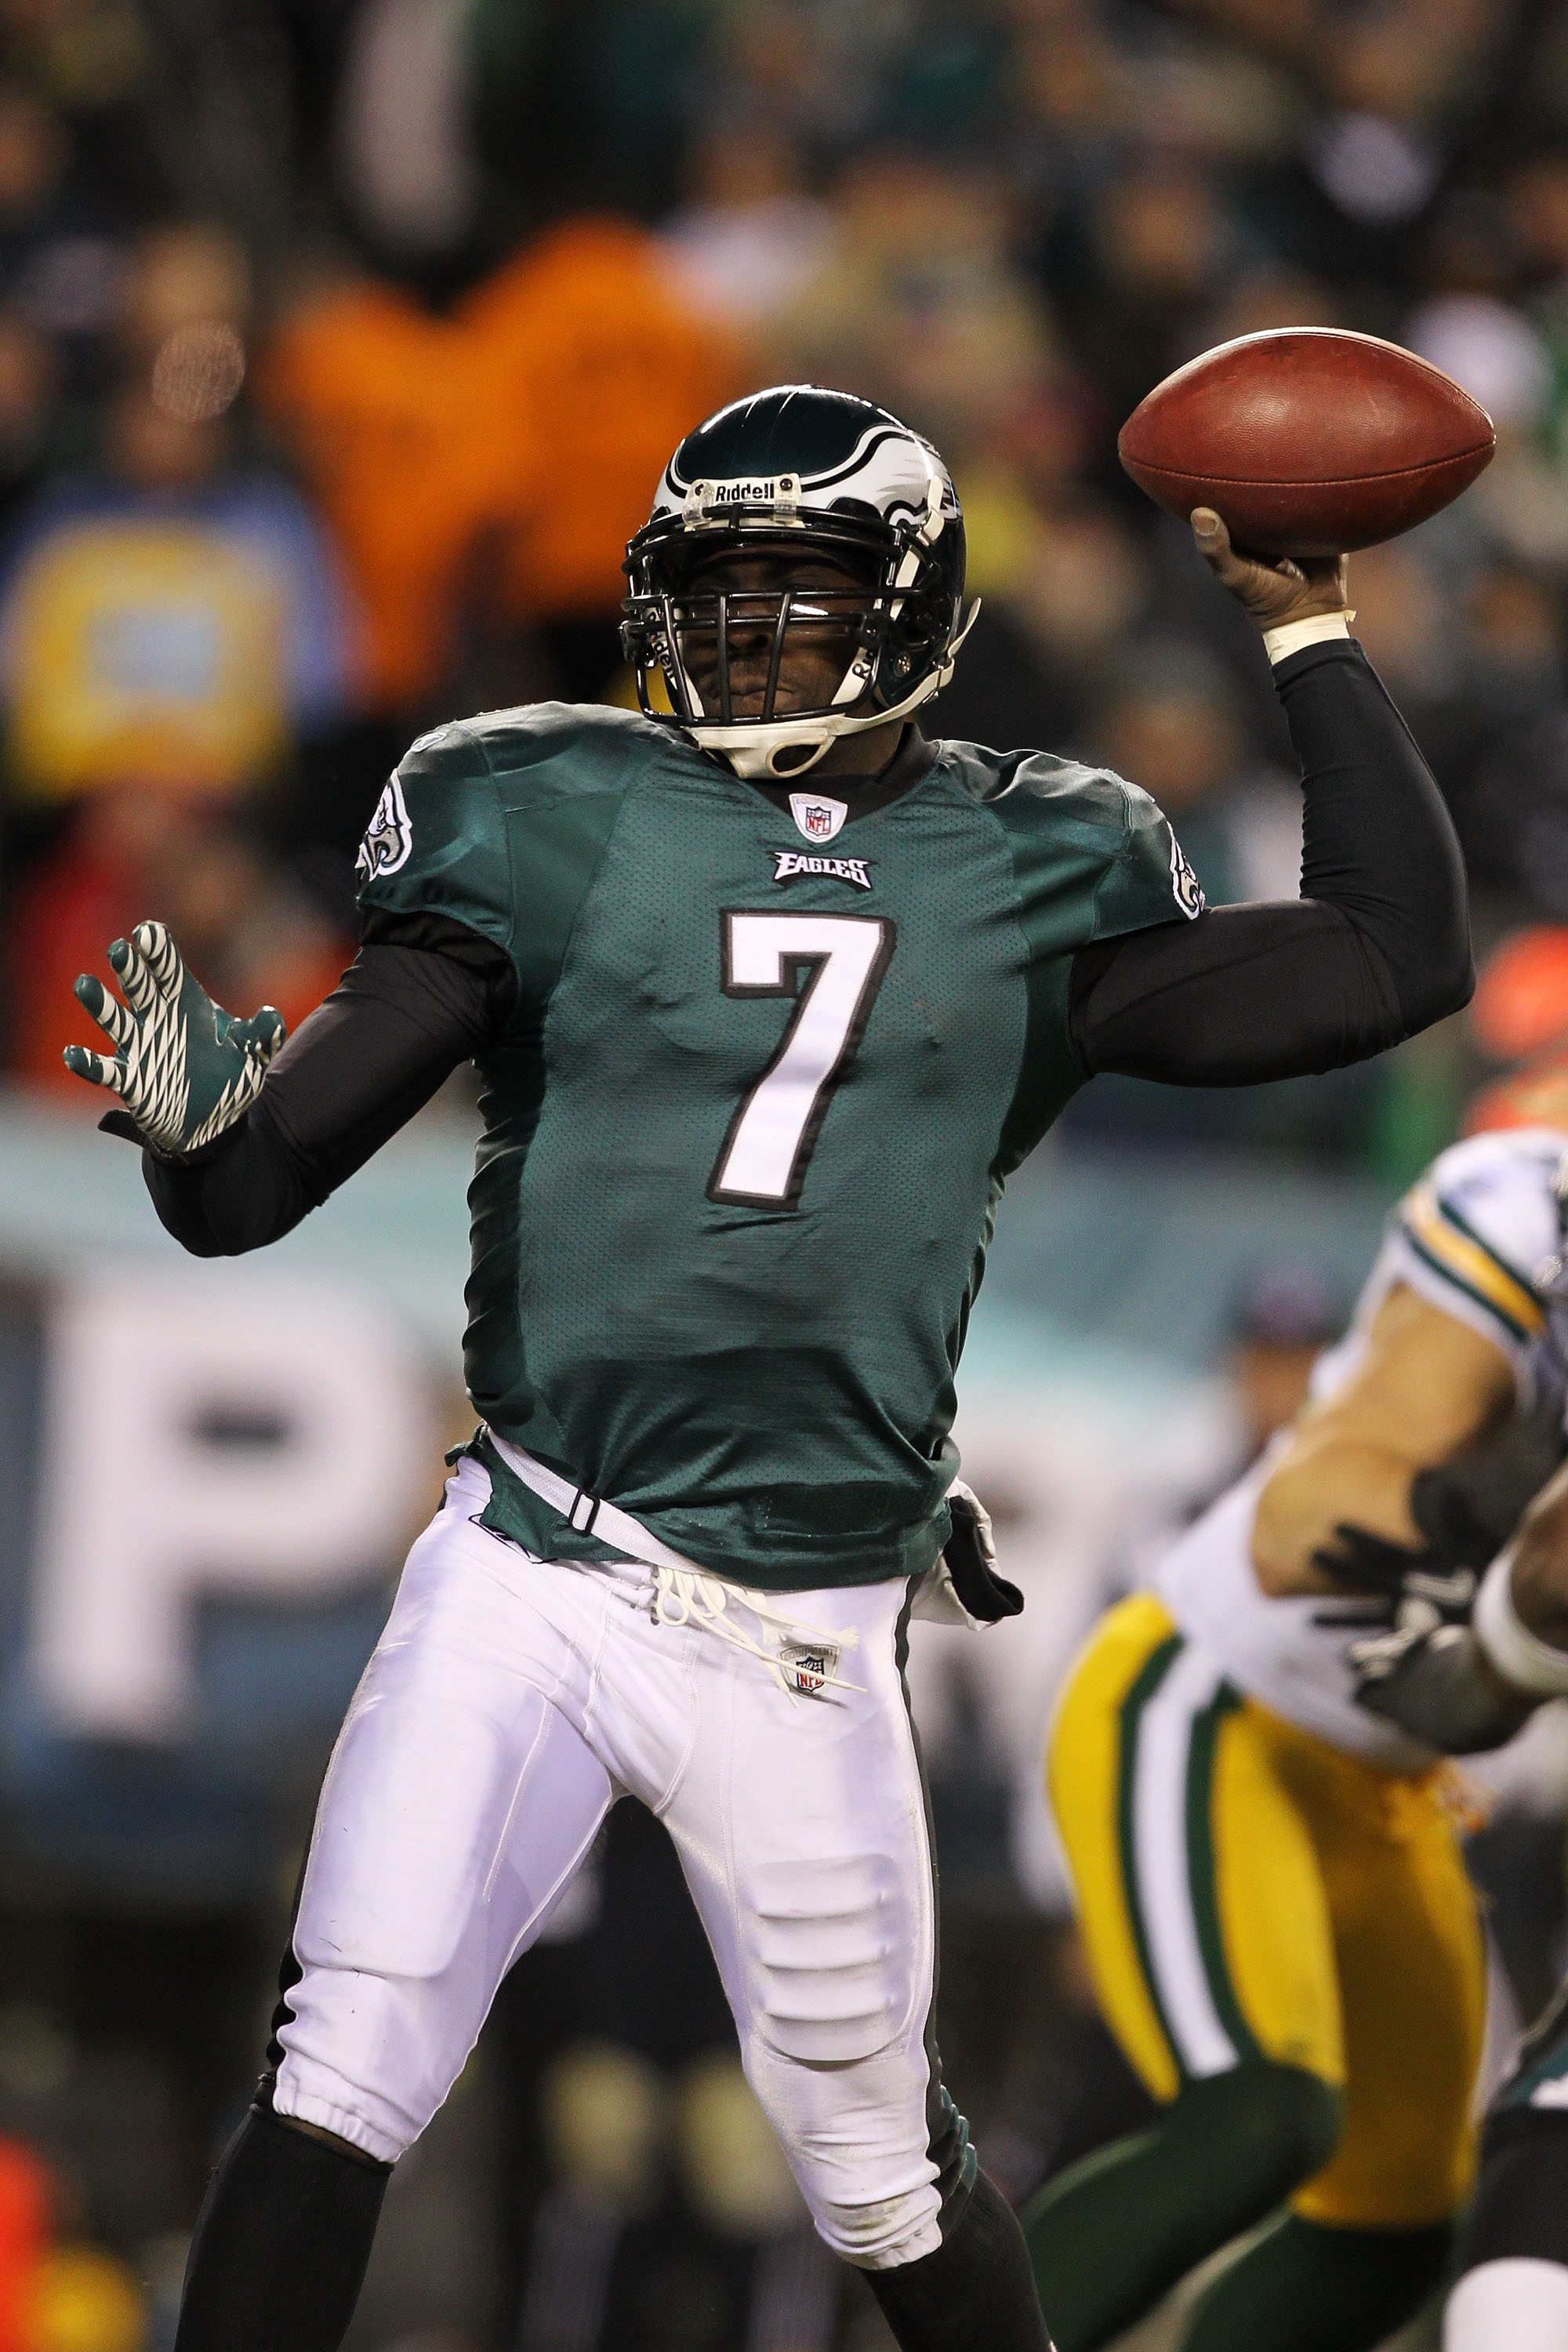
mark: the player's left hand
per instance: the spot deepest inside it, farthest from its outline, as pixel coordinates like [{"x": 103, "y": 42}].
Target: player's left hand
[
  {"x": 1271, "y": 591},
  {"x": 183, "y": 1068}
]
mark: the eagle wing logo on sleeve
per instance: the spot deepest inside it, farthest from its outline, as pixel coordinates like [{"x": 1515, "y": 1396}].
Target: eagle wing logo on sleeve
[
  {"x": 1187, "y": 890},
  {"x": 389, "y": 837}
]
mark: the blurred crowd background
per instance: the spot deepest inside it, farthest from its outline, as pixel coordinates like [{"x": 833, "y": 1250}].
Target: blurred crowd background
[{"x": 341, "y": 343}]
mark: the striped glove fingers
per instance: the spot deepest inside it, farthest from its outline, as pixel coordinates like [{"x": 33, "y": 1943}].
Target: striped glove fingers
[
  {"x": 148, "y": 966},
  {"x": 82, "y": 1063},
  {"x": 184, "y": 1068},
  {"x": 257, "y": 1037}
]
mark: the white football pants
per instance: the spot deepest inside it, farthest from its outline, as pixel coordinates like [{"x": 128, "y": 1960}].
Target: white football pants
[
  {"x": 508, "y": 1703},
  {"x": 1515, "y": 2305}
]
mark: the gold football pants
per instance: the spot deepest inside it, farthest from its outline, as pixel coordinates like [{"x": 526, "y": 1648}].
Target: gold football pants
[{"x": 1247, "y": 1892}]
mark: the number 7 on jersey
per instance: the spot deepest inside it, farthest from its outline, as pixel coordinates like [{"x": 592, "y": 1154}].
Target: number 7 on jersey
[{"x": 773, "y": 1133}]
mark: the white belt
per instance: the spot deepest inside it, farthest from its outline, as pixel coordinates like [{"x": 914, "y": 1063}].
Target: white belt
[
  {"x": 934, "y": 1598},
  {"x": 590, "y": 1514},
  {"x": 686, "y": 1594}
]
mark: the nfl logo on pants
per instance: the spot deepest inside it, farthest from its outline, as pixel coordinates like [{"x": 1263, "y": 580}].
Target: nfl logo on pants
[{"x": 807, "y": 1668}]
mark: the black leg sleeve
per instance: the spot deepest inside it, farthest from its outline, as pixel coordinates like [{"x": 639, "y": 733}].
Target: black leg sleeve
[
  {"x": 975, "y": 2294},
  {"x": 281, "y": 2246}
]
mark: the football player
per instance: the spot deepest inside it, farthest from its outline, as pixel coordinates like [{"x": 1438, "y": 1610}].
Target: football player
[
  {"x": 769, "y": 993},
  {"x": 1271, "y": 1889},
  {"x": 1466, "y": 1687}
]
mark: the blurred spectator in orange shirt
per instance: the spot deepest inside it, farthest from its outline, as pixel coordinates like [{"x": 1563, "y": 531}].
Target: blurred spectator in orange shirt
[
  {"x": 388, "y": 412},
  {"x": 591, "y": 349},
  {"x": 1520, "y": 1016},
  {"x": 522, "y": 435}
]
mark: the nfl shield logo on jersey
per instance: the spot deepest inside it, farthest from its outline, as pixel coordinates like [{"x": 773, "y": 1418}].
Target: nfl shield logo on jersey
[{"x": 817, "y": 816}]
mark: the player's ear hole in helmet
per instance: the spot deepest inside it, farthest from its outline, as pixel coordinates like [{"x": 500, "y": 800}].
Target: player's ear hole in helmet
[{"x": 801, "y": 578}]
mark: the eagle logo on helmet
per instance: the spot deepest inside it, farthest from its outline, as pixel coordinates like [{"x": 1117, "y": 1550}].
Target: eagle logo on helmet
[{"x": 806, "y": 472}]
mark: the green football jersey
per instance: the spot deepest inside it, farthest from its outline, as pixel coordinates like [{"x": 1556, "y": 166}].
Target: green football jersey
[{"x": 746, "y": 1129}]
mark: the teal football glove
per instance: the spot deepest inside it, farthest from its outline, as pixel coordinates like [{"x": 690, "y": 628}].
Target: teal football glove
[{"x": 183, "y": 1068}]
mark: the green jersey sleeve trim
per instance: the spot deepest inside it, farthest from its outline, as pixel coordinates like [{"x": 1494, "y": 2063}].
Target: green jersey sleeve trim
[
  {"x": 1092, "y": 857},
  {"x": 1149, "y": 882}
]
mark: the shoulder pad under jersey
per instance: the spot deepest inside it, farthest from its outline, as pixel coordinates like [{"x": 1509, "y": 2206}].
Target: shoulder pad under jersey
[{"x": 1479, "y": 1223}]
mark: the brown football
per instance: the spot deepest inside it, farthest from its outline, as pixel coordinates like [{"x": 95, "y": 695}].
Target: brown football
[{"x": 1307, "y": 440}]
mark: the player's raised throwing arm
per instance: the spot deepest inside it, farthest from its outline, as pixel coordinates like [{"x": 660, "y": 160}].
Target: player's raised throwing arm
[{"x": 1376, "y": 947}]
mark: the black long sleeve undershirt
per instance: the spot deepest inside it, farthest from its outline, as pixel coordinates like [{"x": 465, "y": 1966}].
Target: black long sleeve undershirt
[
  {"x": 1376, "y": 947},
  {"x": 397, "y": 1024}
]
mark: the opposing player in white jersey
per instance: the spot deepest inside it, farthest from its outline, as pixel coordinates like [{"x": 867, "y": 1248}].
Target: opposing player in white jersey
[
  {"x": 1466, "y": 1688},
  {"x": 1267, "y": 1871}
]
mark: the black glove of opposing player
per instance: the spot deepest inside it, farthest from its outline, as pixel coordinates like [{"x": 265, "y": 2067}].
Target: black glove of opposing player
[
  {"x": 1425, "y": 1670},
  {"x": 1467, "y": 1509},
  {"x": 1434, "y": 1682},
  {"x": 1412, "y": 1581}
]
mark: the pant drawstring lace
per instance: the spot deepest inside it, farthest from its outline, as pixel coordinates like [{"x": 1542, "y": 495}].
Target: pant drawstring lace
[{"x": 682, "y": 1597}]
